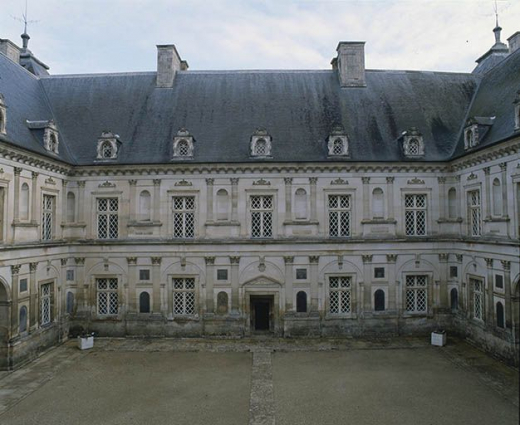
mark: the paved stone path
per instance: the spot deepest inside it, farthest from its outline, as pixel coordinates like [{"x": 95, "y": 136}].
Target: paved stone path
[{"x": 261, "y": 405}]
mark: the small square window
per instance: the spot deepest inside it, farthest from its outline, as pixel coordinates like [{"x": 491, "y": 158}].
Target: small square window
[
  {"x": 222, "y": 274},
  {"x": 144, "y": 274},
  {"x": 379, "y": 272},
  {"x": 499, "y": 281},
  {"x": 301, "y": 274},
  {"x": 70, "y": 275},
  {"x": 23, "y": 285},
  {"x": 454, "y": 271}
]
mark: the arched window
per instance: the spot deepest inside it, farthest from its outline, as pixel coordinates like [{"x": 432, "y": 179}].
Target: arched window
[
  {"x": 452, "y": 203},
  {"x": 222, "y": 302},
  {"x": 222, "y": 204},
  {"x": 23, "y": 319},
  {"x": 24, "y": 202},
  {"x": 261, "y": 147},
  {"x": 300, "y": 203},
  {"x": 70, "y": 302},
  {"x": 468, "y": 138},
  {"x": 497, "y": 198},
  {"x": 71, "y": 207},
  {"x": 144, "y": 302},
  {"x": 500, "y": 315},
  {"x": 301, "y": 302},
  {"x": 379, "y": 300},
  {"x": 378, "y": 203},
  {"x": 107, "y": 150},
  {"x": 454, "y": 299},
  {"x": 183, "y": 148},
  {"x": 337, "y": 148},
  {"x": 144, "y": 205}
]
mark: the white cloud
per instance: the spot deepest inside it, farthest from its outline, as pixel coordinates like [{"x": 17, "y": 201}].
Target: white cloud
[{"x": 82, "y": 36}]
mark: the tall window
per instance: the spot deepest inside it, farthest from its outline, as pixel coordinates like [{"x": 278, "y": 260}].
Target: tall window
[
  {"x": 71, "y": 207},
  {"x": 70, "y": 302},
  {"x": 301, "y": 302},
  {"x": 45, "y": 304},
  {"x": 452, "y": 203},
  {"x": 416, "y": 294},
  {"x": 415, "y": 215},
  {"x": 475, "y": 220},
  {"x": 379, "y": 300},
  {"x": 48, "y": 217},
  {"x": 23, "y": 319},
  {"x": 144, "y": 205},
  {"x": 339, "y": 215},
  {"x": 24, "y": 202},
  {"x": 454, "y": 299},
  {"x": 184, "y": 296},
  {"x": 339, "y": 294},
  {"x": 261, "y": 216},
  {"x": 500, "y": 315},
  {"x": 497, "y": 198},
  {"x": 183, "y": 216},
  {"x": 107, "y": 218},
  {"x": 478, "y": 298},
  {"x": 378, "y": 203},
  {"x": 144, "y": 302},
  {"x": 107, "y": 296}
]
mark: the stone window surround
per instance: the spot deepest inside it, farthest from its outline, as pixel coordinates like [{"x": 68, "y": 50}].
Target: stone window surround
[
  {"x": 3, "y": 116},
  {"x": 429, "y": 292},
  {"x": 429, "y": 213},
  {"x": 353, "y": 296},
  {"x": 274, "y": 224},
  {"x": 170, "y": 291}
]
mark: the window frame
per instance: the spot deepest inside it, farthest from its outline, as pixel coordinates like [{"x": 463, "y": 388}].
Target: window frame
[
  {"x": 43, "y": 299},
  {"x": 470, "y": 209},
  {"x": 274, "y": 212},
  {"x": 108, "y": 196},
  {"x": 353, "y": 296},
  {"x": 350, "y": 210},
  {"x": 195, "y": 291},
  {"x": 196, "y": 216},
  {"x": 429, "y": 293},
  {"x": 52, "y": 214},
  {"x": 416, "y": 209},
  {"x": 117, "y": 291}
]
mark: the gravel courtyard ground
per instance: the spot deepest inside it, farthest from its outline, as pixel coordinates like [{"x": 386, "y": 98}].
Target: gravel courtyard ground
[{"x": 199, "y": 381}]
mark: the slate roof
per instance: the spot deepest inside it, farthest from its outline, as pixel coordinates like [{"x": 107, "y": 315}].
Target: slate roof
[{"x": 222, "y": 109}]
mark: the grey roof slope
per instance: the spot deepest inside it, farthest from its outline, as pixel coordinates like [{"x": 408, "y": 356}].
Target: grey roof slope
[
  {"x": 223, "y": 108},
  {"x": 26, "y": 100},
  {"x": 494, "y": 98}
]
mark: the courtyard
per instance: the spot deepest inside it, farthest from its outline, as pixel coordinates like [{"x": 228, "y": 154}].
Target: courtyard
[{"x": 261, "y": 381}]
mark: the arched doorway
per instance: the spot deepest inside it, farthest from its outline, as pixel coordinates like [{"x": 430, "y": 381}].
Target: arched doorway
[{"x": 5, "y": 315}]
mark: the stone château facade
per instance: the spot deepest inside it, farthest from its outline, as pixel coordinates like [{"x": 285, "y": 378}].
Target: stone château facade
[{"x": 298, "y": 203}]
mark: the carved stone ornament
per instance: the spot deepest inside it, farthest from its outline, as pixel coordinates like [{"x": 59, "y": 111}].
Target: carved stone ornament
[
  {"x": 262, "y": 182},
  {"x": 339, "y": 181},
  {"x": 106, "y": 184},
  {"x": 184, "y": 183},
  {"x": 50, "y": 180},
  {"x": 472, "y": 176},
  {"x": 415, "y": 180}
]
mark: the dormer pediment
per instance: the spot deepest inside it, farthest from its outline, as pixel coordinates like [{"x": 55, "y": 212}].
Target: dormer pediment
[
  {"x": 338, "y": 143},
  {"x": 183, "y": 145},
  {"x": 261, "y": 144},
  {"x": 51, "y": 140},
  {"x": 413, "y": 143},
  {"x": 108, "y": 146},
  {"x": 475, "y": 130}
]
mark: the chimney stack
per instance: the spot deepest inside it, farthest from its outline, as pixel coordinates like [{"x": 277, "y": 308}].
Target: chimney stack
[
  {"x": 350, "y": 63},
  {"x": 514, "y": 42},
  {"x": 168, "y": 63}
]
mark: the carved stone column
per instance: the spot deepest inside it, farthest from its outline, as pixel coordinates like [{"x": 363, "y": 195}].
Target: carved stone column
[
  {"x": 366, "y": 198},
  {"x": 314, "y": 202},
  {"x": 132, "y": 216},
  {"x": 442, "y": 197},
  {"x": 156, "y": 281},
  {"x": 62, "y": 291},
  {"x": 82, "y": 301},
  {"x": 64, "y": 215},
  {"x": 441, "y": 297},
  {"x": 488, "y": 299},
  {"x": 81, "y": 201},
  {"x": 314, "y": 261},
  {"x": 132, "y": 281},
  {"x": 393, "y": 287},
  {"x": 288, "y": 198},
  {"x": 390, "y": 197},
  {"x": 503, "y": 173},
  {"x": 14, "y": 298},
  {"x": 209, "y": 199},
  {"x": 33, "y": 296},
  {"x": 487, "y": 186},
  {"x": 366, "y": 300},
  {"x": 506, "y": 265},
  {"x": 210, "y": 276},
  {"x": 234, "y": 199},
  {"x": 156, "y": 212},
  {"x": 235, "y": 305},
  {"x": 17, "y": 171},
  {"x": 289, "y": 261},
  {"x": 34, "y": 197}
]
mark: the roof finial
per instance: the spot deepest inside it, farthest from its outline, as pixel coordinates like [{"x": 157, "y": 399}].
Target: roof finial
[
  {"x": 25, "y": 20},
  {"x": 497, "y": 28}
]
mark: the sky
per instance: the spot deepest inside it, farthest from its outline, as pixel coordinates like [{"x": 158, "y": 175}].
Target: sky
[{"x": 95, "y": 36}]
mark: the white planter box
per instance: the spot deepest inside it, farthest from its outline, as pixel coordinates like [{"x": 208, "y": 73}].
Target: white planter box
[
  {"x": 85, "y": 343},
  {"x": 439, "y": 338}
]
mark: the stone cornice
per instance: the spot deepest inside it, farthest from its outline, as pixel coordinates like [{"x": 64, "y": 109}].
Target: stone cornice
[
  {"x": 486, "y": 155},
  {"x": 22, "y": 156}
]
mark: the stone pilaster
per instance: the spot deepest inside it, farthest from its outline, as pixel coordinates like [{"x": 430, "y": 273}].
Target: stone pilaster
[
  {"x": 156, "y": 212},
  {"x": 390, "y": 197},
  {"x": 132, "y": 281},
  {"x": 156, "y": 281},
  {"x": 289, "y": 261},
  {"x": 393, "y": 288},
  {"x": 235, "y": 305},
  {"x": 81, "y": 295},
  {"x": 489, "y": 310},
  {"x": 33, "y": 297},
  {"x": 487, "y": 188},
  {"x": 314, "y": 206},
  {"x": 366, "y": 296},
  {"x": 506, "y": 265},
  {"x": 288, "y": 198},
  {"x": 64, "y": 215},
  {"x": 503, "y": 174},
  {"x": 34, "y": 197},
  {"x": 441, "y": 297},
  {"x": 209, "y": 199},
  {"x": 210, "y": 277},
  {"x": 234, "y": 199},
  {"x": 15, "y": 270},
  {"x": 81, "y": 201},
  {"x": 132, "y": 216},
  {"x": 366, "y": 198},
  {"x": 61, "y": 288},
  {"x": 17, "y": 172},
  {"x": 442, "y": 197},
  {"x": 314, "y": 261}
]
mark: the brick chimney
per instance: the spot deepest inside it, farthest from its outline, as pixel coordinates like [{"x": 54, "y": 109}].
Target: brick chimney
[
  {"x": 350, "y": 63},
  {"x": 168, "y": 63}
]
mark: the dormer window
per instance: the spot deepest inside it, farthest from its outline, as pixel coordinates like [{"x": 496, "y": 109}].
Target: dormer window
[
  {"x": 470, "y": 137},
  {"x": 413, "y": 143},
  {"x": 3, "y": 115},
  {"x": 517, "y": 110},
  {"x": 183, "y": 145},
  {"x": 108, "y": 146},
  {"x": 50, "y": 138},
  {"x": 260, "y": 144},
  {"x": 337, "y": 143}
]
